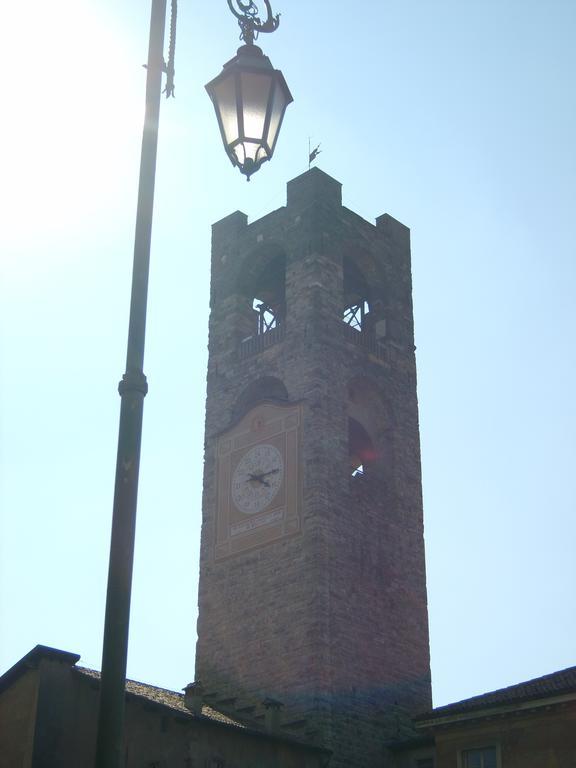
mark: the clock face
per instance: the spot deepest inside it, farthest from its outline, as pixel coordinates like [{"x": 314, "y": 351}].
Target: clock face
[{"x": 257, "y": 478}]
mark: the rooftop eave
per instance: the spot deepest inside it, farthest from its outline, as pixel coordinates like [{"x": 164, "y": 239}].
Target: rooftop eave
[
  {"x": 33, "y": 659},
  {"x": 494, "y": 710},
  {"x": 93, "y": 676}
]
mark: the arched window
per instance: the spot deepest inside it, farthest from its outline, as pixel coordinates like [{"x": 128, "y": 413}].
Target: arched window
[
  {"x": 369, "y": 430},
  {"x": 266, "y": 388},
  {"x": 354, "y": 314},
  {"x": 356, "y": 296},
  {"x": 263, "y": 288},
  {"x": 267, "y": 316},
  {"x": 360, "y": 448}
]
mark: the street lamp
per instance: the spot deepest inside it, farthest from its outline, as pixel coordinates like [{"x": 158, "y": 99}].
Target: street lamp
[
  {"x": 263, "y": 106},
  {"x": 250, "y": 96}
]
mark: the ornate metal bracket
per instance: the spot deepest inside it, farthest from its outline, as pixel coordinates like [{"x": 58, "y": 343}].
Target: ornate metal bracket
[{"x": 248, "y": 21}]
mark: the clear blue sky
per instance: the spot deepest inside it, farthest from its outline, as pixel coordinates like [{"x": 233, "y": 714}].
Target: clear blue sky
[{"x": 459, "y": 119}]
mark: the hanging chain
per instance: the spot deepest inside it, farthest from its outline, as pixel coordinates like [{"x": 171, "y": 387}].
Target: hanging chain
[{"x": 169, "y": 67}]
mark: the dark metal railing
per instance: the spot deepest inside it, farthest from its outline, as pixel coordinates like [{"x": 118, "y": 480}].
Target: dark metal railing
[
  {"x": 366, "y": 340},
  {"x": 255, "y": 344}
]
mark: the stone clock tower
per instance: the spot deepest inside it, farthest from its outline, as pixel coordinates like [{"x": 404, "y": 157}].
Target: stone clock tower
[{"x": 312, "y": 577}]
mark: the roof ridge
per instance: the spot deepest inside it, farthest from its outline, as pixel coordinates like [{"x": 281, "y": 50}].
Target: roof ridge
[
  {"x": 562, "y": 680},
  {"x": 131, "y": 680},
  {"x": 521, "y": 684},
  {"x": 167, "y": 698}
]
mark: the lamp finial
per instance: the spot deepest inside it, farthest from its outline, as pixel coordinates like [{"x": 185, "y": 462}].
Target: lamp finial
[{"x": 249, "y": 22}]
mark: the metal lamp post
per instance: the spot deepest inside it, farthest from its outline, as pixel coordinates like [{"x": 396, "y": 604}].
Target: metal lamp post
[{"x": 254, "y": 108}]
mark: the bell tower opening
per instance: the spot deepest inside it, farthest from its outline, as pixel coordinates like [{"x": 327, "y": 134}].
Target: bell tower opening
[
  {"x": 356, "y": 296},
  {"x": 267, "y": 316},
  {"x": 262, "y": 287},
  {"x": 264, "y": 389},
  {"x": 369, "y": 430},
  {"x": 360, "y": 448}
]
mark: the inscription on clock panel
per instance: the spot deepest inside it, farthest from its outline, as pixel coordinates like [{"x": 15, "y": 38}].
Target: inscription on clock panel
[{"x": 255, "y": 522}]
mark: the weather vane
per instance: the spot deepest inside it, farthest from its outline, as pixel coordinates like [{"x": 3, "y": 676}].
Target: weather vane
[
  {"x": 312, "y": 153},
  {"x": 248, "y": 21}
]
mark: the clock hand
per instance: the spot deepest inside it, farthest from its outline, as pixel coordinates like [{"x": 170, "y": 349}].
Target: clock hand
[
  {"x": 252, "y": 477},
  {"x": 259, "y": 478},
  {"x": 271, "y": 472}
]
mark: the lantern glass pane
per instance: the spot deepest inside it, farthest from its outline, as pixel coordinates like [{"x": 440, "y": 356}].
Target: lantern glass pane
[
  {"x": 250, "y": 150},
  {"x": 225, "y": 102},
  {"x": 279, "y": 103},
  {"x": 255, "y": 89}
]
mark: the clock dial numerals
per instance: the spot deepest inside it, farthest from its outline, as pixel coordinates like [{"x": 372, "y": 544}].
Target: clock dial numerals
[{"x": 257, "y": 478}]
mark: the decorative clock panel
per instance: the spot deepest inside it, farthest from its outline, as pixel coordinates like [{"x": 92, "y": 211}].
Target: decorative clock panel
[{"x": 258, "y": 479}]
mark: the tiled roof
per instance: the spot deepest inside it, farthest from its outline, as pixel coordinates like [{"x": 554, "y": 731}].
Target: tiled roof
[
  {"x": 160, "y": 697},
  {"x": 167, "y": 698},
  {"x": 555, "y": 684}
]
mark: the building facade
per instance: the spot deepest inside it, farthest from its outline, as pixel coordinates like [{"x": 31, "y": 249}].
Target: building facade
[
  {"x": 528, "y": 725},
  {"x": 48, "y": 715},
  {"x": 312, "y": 577},
  {"x": 48, "y": 708}
]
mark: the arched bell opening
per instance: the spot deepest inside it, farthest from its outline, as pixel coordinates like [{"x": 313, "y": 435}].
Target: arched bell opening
[
  {"x": 369, "y": 430},
  {"x": 361, "y": 451},
  {"x": 264, "y": 389},
  {"x": 365, "y": 297},
  {"x": 267, "y": 315},
  {"x": 262, "y": 289},
  {"x": 357, "y": 299}
]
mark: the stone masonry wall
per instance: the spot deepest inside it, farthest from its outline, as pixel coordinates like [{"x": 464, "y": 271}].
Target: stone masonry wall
[{"x": 332, "y": 621}]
